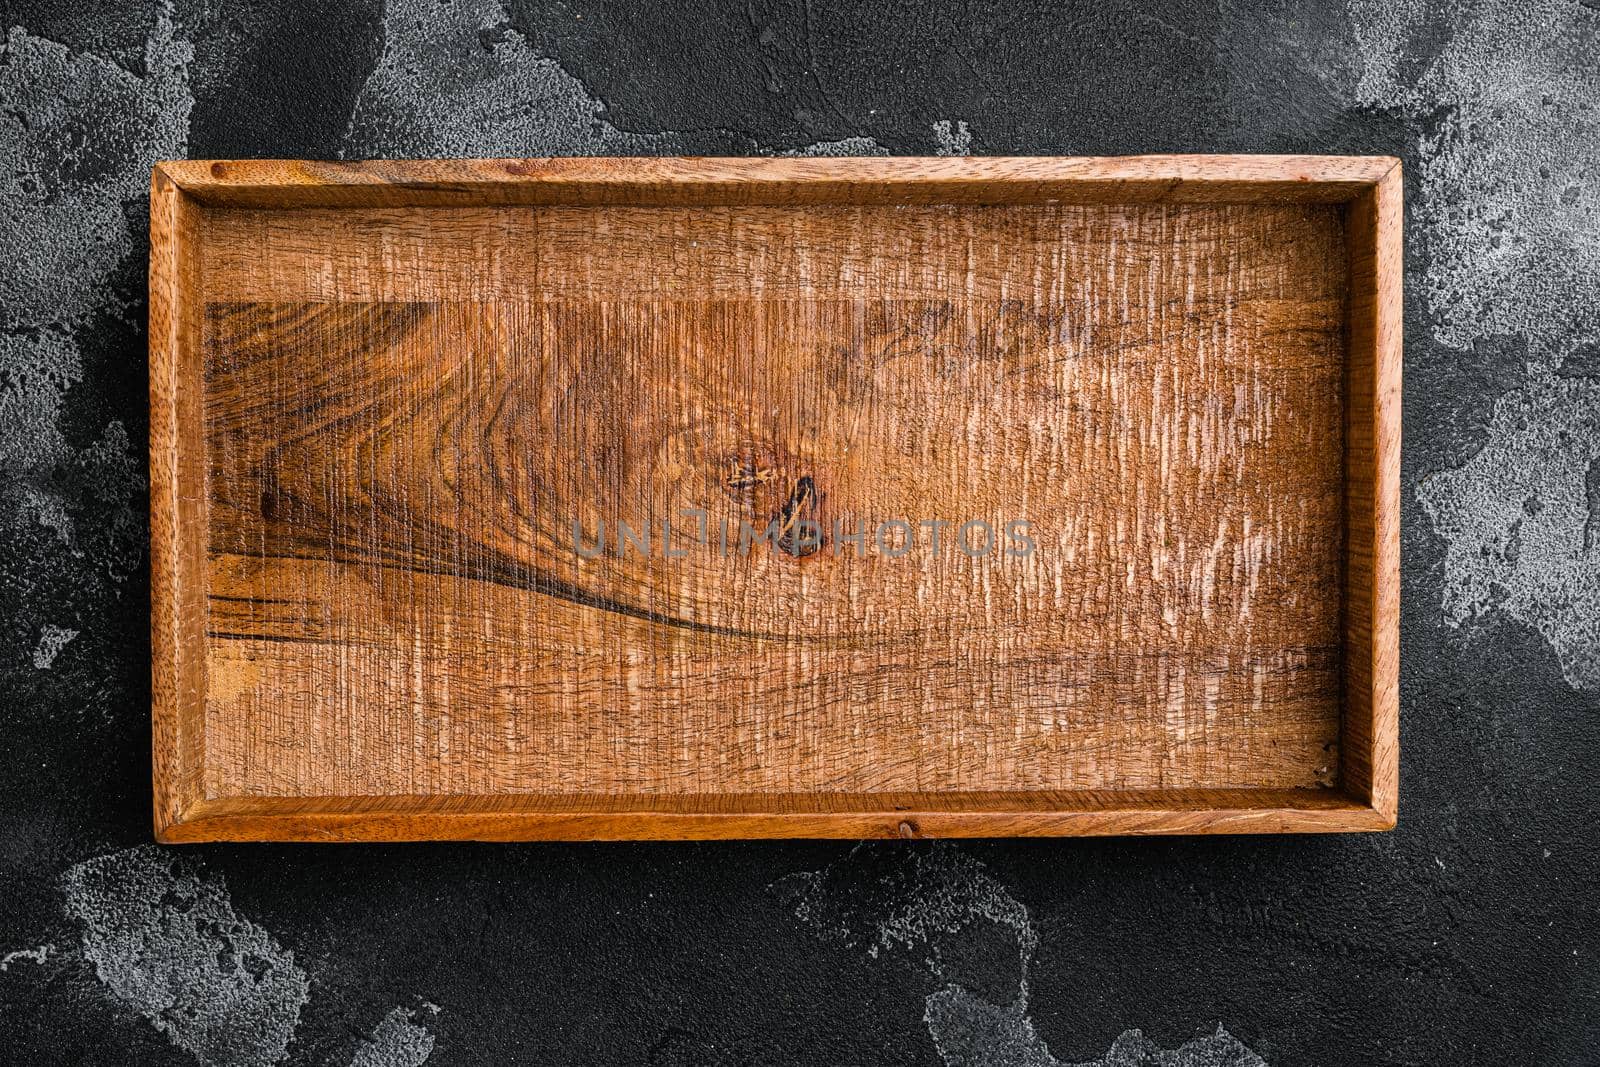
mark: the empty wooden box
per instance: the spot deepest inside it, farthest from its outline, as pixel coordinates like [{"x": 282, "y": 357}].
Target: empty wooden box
[{"x": 597, "y": 498}]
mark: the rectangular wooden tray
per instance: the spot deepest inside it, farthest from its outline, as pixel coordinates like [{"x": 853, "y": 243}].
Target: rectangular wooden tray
[{"x": 1151, "y": 405}]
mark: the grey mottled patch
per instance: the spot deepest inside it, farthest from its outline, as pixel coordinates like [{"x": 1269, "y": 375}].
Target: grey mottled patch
[
  {"x": 47, "y": 511},
  {"x": 35, "y": 955},
  {"x": 39, "y": 362},
  {"x": 397, "y": 1041},
  {"x": 454, "y": 80},
  {"x": 1521, "y": 522},
  {"x": 52, "y": 639},
  {"x": 1220, "y": 1049},
  {"x": 1510, "y": 176},
  {"x": 970, "y": 1032},
  {"x": 78, "y": 136},
  {"x": 845, "y": 148},
  {"x": 952, "y": 140},
  {"x": 1509, "y": 214},
  {"x": 170, "y": 945},
  {"x": 960, "y": 925}
]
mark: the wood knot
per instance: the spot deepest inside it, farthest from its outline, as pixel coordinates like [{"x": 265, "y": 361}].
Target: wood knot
[
  {"x": 800, "y": 532},
  {"x": 747, "y": 474}
]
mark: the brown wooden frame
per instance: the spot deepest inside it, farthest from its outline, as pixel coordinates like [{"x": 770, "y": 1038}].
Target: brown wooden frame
[{"x": 1370, "y": 192}]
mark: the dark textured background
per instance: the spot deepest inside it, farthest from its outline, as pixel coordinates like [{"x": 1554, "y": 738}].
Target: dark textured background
[{"x": 1467, "y": 936}]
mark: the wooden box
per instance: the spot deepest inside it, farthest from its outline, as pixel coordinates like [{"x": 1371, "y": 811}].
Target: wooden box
[{"x": 567, "y": 499}]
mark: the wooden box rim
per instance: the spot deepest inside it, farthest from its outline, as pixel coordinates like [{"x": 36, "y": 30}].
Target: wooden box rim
[{"x": 1369, "y": 190}]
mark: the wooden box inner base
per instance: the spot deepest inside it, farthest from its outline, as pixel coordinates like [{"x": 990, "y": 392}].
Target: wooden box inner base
[{"x": 408, "y": 409}]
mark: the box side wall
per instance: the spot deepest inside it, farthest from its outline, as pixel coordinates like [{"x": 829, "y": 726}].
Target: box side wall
[
  {"x": 177, "y": 506},
  {"x": 1370, "y": 758},
  {"x": 619, "y": 818},
  {"x": 709, "y": 181}
]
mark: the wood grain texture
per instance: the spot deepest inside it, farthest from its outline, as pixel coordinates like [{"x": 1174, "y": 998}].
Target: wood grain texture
[
  {"x": 703, "y": 182},
  {"x": 177, "y": 505},
  {"x": 724, "y": 816},
  {"x": 1372, "y": 497},
  {"x": 404, "y": 409}
]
